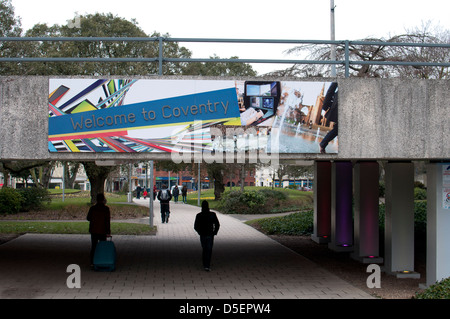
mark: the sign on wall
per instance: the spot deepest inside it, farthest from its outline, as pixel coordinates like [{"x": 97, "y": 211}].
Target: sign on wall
[{"x": 144, "y": 115}]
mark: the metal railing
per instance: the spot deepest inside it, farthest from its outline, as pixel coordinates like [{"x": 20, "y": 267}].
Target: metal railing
[{"x": 161, "y": 59}]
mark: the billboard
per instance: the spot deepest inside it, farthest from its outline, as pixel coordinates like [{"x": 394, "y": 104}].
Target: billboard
[{"x": 178, "y": 116}]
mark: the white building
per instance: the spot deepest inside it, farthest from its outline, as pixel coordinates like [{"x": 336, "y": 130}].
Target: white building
[{"x": 267, "y": 177}]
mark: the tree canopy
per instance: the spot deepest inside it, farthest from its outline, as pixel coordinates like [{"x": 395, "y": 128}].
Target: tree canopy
[{"x": 100, "y": 25}]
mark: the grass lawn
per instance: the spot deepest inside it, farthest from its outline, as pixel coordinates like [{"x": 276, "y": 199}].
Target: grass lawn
[
  {"x": 42, "y": 227},
  {"x": 69, "y": 216},
  {"x": 295, "y": 224}
]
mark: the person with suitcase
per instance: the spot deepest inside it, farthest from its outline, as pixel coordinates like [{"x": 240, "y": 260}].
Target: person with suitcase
[
  {"x": 164, "y": 197},
  {"x": 99, "y": 217}
]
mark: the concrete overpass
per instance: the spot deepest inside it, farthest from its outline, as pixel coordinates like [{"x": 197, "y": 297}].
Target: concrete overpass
[
  {"x": 379, "y": 119},
  {"x": 395, "y": 121}
]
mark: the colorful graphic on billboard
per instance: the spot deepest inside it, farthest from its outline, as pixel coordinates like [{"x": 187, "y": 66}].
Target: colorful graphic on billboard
[{"x": 145, "y": 115}]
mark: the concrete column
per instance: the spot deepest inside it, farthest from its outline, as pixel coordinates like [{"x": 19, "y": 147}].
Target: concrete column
[
  {"x": 438, "y": 222},
  {"x": 322, "y": 202},
  {"x": 366, "y": 198},
  {"x": 399, "y": 220},
  {"x": 341, "y": 207}
]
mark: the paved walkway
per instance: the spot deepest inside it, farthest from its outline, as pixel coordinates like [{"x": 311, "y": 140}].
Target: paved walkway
[{"x": 246, "y": 265}]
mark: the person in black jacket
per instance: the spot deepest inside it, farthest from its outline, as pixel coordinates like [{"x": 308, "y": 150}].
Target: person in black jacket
[
  {"x": 206, "y": 225},
  {"x": 164, "y": 197},
  {"x": 330, "y": 106},
  {"x": 184, "y": 194},
  {"x": 99, "y": 217}
]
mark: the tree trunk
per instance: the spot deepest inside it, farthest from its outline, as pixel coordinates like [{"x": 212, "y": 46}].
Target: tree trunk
[
  {"x": 97, "y": 176},
  {"x": 215, "y": 172},
  {"x": 242, "y": 177},
  {"x": 71, "y": 170},
  {"x": 218, "y": 187}
]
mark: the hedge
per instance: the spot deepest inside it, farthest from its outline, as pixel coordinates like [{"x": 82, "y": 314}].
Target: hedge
[
  {"x": 440, "y": 290},
  {"x": 13, "y": 200}
]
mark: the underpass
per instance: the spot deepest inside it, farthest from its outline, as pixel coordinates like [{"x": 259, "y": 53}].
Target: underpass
[
  {"x": 246, "y": 264},
  {"x": 381, "y": 121}
]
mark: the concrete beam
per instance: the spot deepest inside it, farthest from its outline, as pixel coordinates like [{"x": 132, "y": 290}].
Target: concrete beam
[{"x": 380, "y": 119}]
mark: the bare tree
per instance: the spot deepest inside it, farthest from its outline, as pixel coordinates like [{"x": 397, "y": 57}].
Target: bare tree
[{"x": 380, "y": 53}]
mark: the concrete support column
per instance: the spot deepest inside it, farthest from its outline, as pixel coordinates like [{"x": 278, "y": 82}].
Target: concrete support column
[
  {"x": 438, "y": 222},
  {"x": 399, "y": 220},
  {"x": 341, "y": 207},
  {"x": 366, "y": 198},
  {"x": 322, "y": 202}
]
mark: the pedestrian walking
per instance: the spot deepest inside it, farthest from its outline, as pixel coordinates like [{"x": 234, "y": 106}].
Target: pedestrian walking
[
  {"x": 176, "y": 193},
  {"x": 207, "y": 226},
  {"x": 164, "y": 197},
  {"x": 184, "y": 194},
  {"x": 138, "y": 192}
]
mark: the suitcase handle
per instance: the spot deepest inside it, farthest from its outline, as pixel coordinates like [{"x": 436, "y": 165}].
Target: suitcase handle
[{"x": 109, "y": 237}]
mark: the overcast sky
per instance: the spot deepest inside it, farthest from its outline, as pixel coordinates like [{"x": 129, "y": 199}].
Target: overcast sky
[{"x": 245, "y": 19}]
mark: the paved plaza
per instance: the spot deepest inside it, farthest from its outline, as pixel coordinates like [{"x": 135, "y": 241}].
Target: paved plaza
[{"x": 246, "y": 265}]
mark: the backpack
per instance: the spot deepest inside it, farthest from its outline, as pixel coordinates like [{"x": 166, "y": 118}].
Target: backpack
[{"x": 164, "y": 194}]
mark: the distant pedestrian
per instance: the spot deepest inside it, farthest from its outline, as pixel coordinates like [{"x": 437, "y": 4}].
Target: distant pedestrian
[
  {"x": 99, "y": 217},
  {"x": 164, "y": 197},
  {"x": 184, "y": 193},
  {"x": 207, "y": 226},
  {"x": 138, "y": 192},
  {"x": 175, "y": 193}
]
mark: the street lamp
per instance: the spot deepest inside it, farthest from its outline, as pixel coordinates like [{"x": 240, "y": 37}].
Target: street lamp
[{"x": 333, "y": 47}]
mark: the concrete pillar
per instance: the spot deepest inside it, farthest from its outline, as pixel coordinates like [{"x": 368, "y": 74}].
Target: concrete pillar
[
  {"x": 438, "y": 222},
  {"x": 399, "y": 220},
  {"x": 366, "y": 220},
  {"x": 341, "y": 207},
  {"x": 322, "y": 202}
]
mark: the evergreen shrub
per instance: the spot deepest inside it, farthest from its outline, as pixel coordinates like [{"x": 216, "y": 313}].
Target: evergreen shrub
[{"x": 10, "y": 201}]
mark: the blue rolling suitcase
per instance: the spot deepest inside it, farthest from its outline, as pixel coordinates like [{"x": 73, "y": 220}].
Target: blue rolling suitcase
[{"x": 105, "y": 256}]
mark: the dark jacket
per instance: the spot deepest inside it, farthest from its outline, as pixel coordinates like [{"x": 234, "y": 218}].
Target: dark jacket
[
  {"x": 330, "y": 103},
  {"x": 99, "y": 217},
  {"x": 206, "y": 223}
]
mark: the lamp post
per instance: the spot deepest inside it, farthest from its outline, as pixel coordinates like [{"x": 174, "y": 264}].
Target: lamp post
[
  {"x": 151, "y": 195},
  {"x": 198, "y": 185},
  {"x": 333, "y": 47}
]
